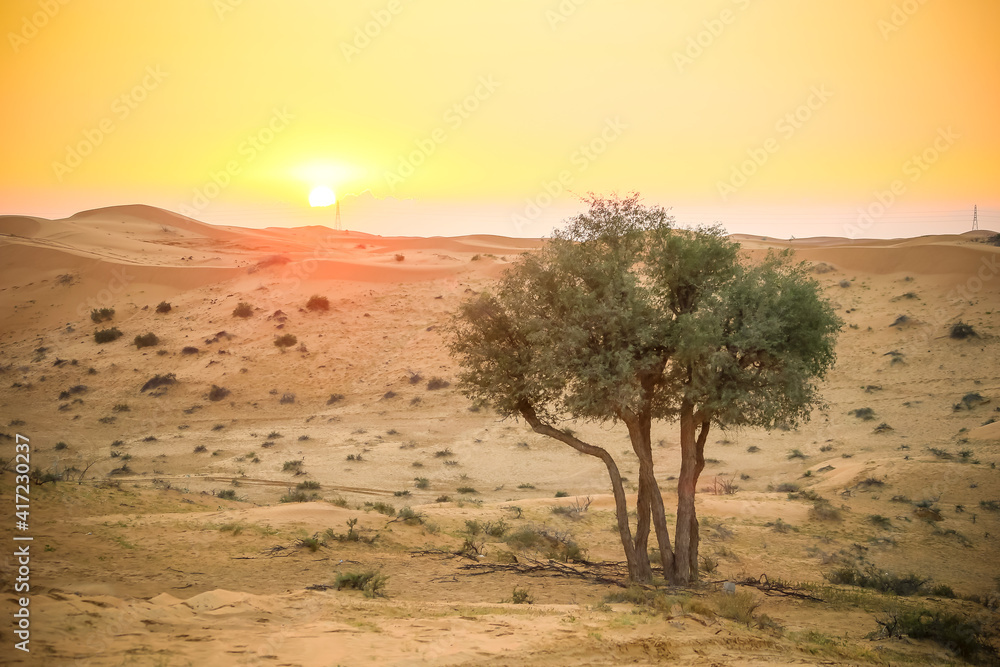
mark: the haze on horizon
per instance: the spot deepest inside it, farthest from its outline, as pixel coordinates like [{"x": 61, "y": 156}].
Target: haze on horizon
[{"x": 858, "y": 118}]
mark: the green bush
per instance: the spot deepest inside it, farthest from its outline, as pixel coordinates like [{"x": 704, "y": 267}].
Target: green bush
[
  {"x": 960, "y": 331},
  {"x": 421, "y": 482},
  {"x": 146, "y": 340},
  {"x": 370, "y": 583},
  {"x": 877, "y": 579},
  {"x": 107, "y": 335},
  {"x": 163, "y": 307},
  {"x": 968, "y": 638}
]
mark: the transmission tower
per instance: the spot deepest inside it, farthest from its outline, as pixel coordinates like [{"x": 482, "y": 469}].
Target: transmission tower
[{"x": 975, "y": 217}]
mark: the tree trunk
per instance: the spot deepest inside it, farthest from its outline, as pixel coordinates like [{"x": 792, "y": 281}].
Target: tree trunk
[
  {"x": 636, "y": 571},
  {"x": 699, "y": 466},
  {"x": 687, "y": 523},
  {"x": 642, "y": 507},
  {"x": 649, "y": 488}
]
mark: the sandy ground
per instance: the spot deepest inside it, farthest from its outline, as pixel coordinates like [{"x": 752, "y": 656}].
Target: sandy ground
[{"x": 141, "y": 562}]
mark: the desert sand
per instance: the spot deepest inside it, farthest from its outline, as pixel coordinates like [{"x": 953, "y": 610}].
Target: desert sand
[{"x": 138, "y": 560}]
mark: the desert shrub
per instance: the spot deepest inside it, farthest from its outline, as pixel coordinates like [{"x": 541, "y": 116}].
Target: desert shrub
[
  {"x": 443, "y": 453},
  {"x": 437, "y": 383},
  {"x": 443, "y": 499},
  {"x": 60, "y": 446},
  {"x": 188, "y": 349},
  {"x": 822, "y": 510},
  {"x": 317, "y": 302},
  {"x": 287, "y": 398},
  {"x": 382, "y": 508},
  {"x": 970, "y": 401},
  {"x": 107, "y": 335},
  {"x": 740, "y": 607},
  {"x": 308, "y": 485},
  {"x": 334, "y": 398},
  {"x": 243, "y": 309},
  {"x": 416, "y": 378},
  {"x": 410, "y": 516},
  {"x": 521, "y": 596},
  {"x": 399, "y": 257},
  {"x": 99, "y": 315},
  {"x": 796, "y": 454},
  {"x": 870, "y": 482},
  {"x": 159, "y": 381},
  {"x": 845, "y": 283},
  {"x": 877, "y": 579},
  {"x": 966, "y": 637},
  {"x": 146, "y": 340},
  {"x": 867, "y": 414},
  {"x": 399, "y": 494},
  {"x": 879, "y": 520},
  {"x": 525, "y": 486},
  {"x": 355, "y": 457},
  {"x": 990, "y": 505},
  {"x": 561, "y": 494},
  {"x": 292, "y": 466},
  {"x": 882, "y": 428},
  {"x": 285, "y": 340},
  {"x": 298, "y": 497},
  {"x": 227, "y": 494},
  {"x": 421, "y": 482},
  {"x": 72, "y": 391},
  {"x": 466, "y": 489},
  {"x": 787, "y": 487},
  {"x": 200, "y": 448},
  {"x": 372, "y": 584},
  {"x": 960, "y": 331},
  {"x": 163, "y": 307},
  {"x": 389, "y": 394},
  {"x": 217, "y": 393},
  {"x": 753, "y": 449}
]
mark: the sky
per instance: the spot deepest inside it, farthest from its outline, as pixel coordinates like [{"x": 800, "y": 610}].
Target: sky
[{"x": 873, "y": 118}]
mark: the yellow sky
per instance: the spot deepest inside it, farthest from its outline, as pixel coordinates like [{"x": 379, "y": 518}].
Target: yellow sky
[{"x": 229, "y": 109}]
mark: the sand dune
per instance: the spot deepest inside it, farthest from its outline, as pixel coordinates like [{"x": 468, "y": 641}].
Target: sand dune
[{"x": 176, "y": 549}]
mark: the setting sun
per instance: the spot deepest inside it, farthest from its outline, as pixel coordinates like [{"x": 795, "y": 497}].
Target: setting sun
[{"x": 322, "y": 196}]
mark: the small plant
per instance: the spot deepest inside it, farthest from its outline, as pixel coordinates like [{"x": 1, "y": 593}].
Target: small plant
[
  {"x": 753, "y": 449},
  {"x": 60, "y": 446},
  {"x": 437, "y": 383},
  {"x": 740, "y": 607},
  {"x": 879, "y": 521},
  {"x": 443, "y": 453},
  {"x": 286, "y": 340},
  {"x": 217, "y": 393},
  {"x": 787, "y": 487},
  {"x": 970, "y": 401},
  {"x": 292, "y": 466},
  {"x": 317, "y": 302},
  {"x": 308, "y": 485},
  {"x": 399, "y": 257},
  {"x": 355, "y": 457},
  {"x": 882, "y": 428},
  {"x": 966, "y": 637},
  {"x": 866, "y": 414},
  {"x": 421, "y": 482},
  {"x": 822, "y": 510},
  {"x": 200, "y": 449},
  {"x": 163, "y": 307},
  {"x": 382, "y": 508},
  {"x": 796, "y": 454},
  {"x": 98, "y": 315},
  {"x": 877, "y": 579},
  {"x": 372, "y": 584},
  {"x": 227, "y": 494},
  {"x": 400, "y": 494},
  {"x": 561, "y": 494},
  {"x": 107, "y": 335},
  {"x": 521, "y": 596},
  {"x": 146, "y": 340},
  {"x": 298, "y": 497},
  {"x": 159, "y": 381},
  {"x": 189, "y": 349},
  {"x": 410, "y": 517},
  {"x": 243, "y": 309},
  {"x": 466, "y": 489},
  {"x": 335, "y": 398},
  {"x": 960, "y": 331}
]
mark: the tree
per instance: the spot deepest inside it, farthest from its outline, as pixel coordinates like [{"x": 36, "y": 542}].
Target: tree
[{"x": 623, "y": 318}]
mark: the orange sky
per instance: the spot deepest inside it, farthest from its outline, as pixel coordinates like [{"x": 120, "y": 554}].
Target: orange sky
[{"x": 765, "y": 115}]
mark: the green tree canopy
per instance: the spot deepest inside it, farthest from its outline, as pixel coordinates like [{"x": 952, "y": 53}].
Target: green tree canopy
[{"x": 623, "y": 318}]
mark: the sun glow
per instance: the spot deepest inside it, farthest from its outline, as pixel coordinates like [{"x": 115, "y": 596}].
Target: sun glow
[{"x": 322, "y": 196}]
